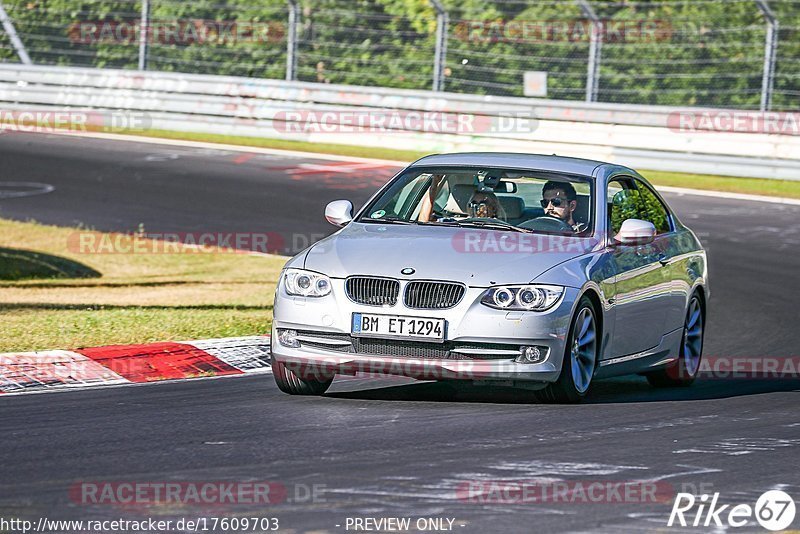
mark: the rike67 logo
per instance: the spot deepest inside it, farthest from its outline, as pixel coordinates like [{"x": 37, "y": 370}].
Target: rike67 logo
[{"x": 774, "y": 510}]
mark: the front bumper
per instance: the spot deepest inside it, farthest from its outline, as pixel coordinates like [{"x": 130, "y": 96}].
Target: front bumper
[{"x": 469, "y": 323}]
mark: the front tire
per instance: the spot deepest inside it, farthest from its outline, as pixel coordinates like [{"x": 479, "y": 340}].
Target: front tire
[
  {"x": 683, "y": 371},
  {"x": 289, "y": 382},
  {"x": 580, "y": 358}
]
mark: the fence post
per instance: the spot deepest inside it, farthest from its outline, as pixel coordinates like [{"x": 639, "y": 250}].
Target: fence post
[
  {"x": 291, "y": 41},
  {"x": 770, "y": 50},
  {"x": 595, "y": 48},
  {"x": 16, "y": 42},
  {"x": 440, "y": 56},
  {"x": 144, "y": 34}
]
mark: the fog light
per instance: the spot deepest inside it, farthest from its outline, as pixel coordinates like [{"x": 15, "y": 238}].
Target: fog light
[
  {"x": 532, "y": 354},
  {"x": 288, "y": 338}
]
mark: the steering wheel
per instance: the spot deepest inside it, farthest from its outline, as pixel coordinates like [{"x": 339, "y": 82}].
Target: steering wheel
[{"x": 548, "y": 223}]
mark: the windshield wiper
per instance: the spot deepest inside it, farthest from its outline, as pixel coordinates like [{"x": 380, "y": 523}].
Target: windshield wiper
[
  {"x": 498, "y": 225},
  {"x": 387, "y": 220},
  {"x": 440, "y": 223}
]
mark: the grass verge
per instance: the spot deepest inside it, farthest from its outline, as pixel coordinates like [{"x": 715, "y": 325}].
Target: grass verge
[
  {"x": 753, "y": 186},
  {"x": 727, "y": 184},
  {"x": 101, "y": 299}
]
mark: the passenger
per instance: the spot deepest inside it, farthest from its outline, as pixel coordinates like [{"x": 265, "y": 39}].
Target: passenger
[{"x": 484, "y": 204}]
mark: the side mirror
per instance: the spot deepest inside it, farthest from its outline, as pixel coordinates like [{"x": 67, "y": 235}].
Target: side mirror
[
  {"x": 339, "y": 212},
  {"x": 635, "y": 232}
]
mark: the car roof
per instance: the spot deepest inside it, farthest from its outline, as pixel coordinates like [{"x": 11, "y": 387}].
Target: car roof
[{"x": 538, "y": 162}]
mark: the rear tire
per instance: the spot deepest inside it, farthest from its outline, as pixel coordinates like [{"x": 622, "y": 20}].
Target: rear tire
[
  {"x": 683, "y": 371},
  {"x": 290, "y": 383},
  {"x": 580, "y": 358}
]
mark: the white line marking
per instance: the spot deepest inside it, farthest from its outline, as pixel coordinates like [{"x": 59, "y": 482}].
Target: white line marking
[
  {"x": 304, "y": 168},
  {"x": 24, "y": 189},
  {"x": 161, "y": 157},
  {"x": 695, "y": 470}
]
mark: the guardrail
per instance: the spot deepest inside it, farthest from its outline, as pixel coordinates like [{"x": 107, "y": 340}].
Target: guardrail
[{"x": 648, "y": 137}]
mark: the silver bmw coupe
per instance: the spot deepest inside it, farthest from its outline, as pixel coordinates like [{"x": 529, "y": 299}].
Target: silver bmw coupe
[{"x": 541, "y": 272}]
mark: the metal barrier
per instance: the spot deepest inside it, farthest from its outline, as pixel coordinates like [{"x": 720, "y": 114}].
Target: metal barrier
[{"x": 649, "y": 137}]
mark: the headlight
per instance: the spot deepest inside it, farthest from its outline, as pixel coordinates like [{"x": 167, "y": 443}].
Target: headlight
[
  {"x": 525, "y": 298},
  {"x": 306, "y": 283}
]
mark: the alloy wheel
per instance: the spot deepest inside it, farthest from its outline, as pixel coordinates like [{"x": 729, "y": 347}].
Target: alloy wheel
[{"x": 584, "y": 349}]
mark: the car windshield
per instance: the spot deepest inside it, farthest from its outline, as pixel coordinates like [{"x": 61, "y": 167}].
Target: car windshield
[{"x": 497, "y": 199}]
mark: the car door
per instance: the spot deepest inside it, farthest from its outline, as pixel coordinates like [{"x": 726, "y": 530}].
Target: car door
[
  {"x": 668, "y": 251},
  {"x": 641, "y": 288}
]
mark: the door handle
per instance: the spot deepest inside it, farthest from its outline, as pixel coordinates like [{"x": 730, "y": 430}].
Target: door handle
[{"x": 663, "y": 259}]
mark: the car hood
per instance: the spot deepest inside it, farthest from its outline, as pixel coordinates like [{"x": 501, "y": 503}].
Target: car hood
[{"x": 476, "y": 257}]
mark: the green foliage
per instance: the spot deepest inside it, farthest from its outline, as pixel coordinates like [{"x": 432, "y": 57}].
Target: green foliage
[
  {"x": 675, "y": 52},
  {"x": 59, "y": 32},
  {"x": 623, "y": 207},
  {"x": 638, "y": 204},
  {"x": 652, "y": 210}
]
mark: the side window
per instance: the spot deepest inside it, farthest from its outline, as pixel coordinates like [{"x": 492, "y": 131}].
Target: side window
[
  {"x": 631, "y": 199},
  {"x": 622, "y": 204},
  {"x": 651, "y": 209}
]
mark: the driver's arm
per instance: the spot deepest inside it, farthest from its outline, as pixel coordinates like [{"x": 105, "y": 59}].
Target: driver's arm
[{"x": 426, "y": 209}]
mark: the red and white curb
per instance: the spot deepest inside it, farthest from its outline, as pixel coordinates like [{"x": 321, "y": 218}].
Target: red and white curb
[{"x": 24, "y": 372}]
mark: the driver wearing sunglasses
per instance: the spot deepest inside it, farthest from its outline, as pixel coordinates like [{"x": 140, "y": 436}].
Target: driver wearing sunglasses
[{"x": 559, "y": 200}]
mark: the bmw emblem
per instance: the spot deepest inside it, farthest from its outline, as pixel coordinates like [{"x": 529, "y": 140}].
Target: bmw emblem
[{"x": 408, "y": 271}]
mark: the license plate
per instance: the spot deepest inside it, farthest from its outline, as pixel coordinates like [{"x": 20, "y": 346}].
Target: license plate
[{"x": 398, "y": 327}]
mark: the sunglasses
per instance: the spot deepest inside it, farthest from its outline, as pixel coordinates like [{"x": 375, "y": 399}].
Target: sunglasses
[
  {"x": 479, "y": 206},
  {"x": 557, "y": 202}
]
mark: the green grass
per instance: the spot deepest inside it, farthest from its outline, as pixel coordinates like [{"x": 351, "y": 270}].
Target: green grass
[
  {"x": 101, "y": 299},
  {"x": 754, "y": 186}
]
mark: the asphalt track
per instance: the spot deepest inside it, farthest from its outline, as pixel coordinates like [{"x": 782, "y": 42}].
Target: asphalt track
[{"x": 391, "y": 447}]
